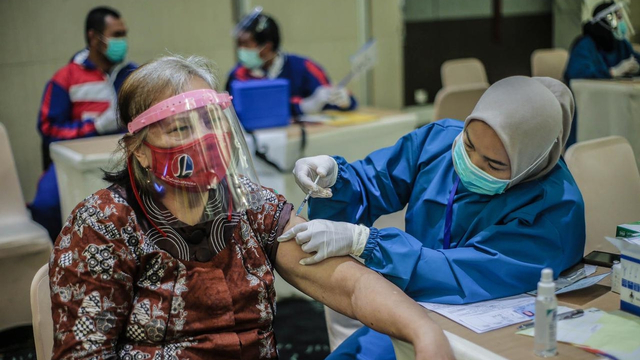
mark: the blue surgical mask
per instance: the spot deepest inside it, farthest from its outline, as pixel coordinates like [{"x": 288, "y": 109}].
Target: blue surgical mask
[
  {"x": 116, "y": 49},
  {"x": 472, "y": 177},
  {"x": 250, "y": 58}
]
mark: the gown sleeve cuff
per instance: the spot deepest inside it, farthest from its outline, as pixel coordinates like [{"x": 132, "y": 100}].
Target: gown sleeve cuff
[
  {"x": 342, "y": 163},
  {"x": 372, "y": 244}
]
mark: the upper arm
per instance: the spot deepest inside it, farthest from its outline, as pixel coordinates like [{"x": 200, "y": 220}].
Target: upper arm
[{"x": 315, "y": 76}]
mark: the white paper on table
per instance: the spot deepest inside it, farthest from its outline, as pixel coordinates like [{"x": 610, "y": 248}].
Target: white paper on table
[
  {"x": 579, "y": 276},
  {"x": 615, "y": 333},
  {"x": 586, "y": 282},
  {"x": 490, "y": 315}
]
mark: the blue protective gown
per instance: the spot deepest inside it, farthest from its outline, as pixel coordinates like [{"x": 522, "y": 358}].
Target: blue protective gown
[
  {"x": 499, "y": 244},
  {"x": 587, "y": 61},
  {"x": 533, "y": 225}
]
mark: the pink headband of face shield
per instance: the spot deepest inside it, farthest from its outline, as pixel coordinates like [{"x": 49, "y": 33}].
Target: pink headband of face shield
[{"x": 174, "y": 105}]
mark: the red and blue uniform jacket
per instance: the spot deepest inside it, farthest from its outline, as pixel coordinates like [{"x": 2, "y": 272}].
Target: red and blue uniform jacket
[
  {"x": 304, "y": 77},
  {"x": 74, "y": 97}
]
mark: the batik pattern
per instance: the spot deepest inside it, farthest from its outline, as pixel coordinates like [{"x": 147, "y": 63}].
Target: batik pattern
[{"x": 116, "y": 294}]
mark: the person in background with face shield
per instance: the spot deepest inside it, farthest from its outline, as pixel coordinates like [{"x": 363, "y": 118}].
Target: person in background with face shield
[
  {"x": 489, "y": 203},
  {"x": 260, "y": 57},
  {"x": 80, "y": 101},
  {"x": 176, "y": 259},
  {"x": 602, "y": 51}
]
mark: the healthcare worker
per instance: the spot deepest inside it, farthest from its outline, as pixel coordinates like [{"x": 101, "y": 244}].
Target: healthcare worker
[
  {"x": 260, "y": 57},
  {"x": 603, "y": 51},
  {"x": 489, "y": 203}
]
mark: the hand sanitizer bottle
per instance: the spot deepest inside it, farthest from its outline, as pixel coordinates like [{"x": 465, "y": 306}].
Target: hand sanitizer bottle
[
  {"x": 545, "y": 319},
  {"x": 616, "y": 282}
]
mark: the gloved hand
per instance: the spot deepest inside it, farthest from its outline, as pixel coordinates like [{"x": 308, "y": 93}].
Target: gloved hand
[
  {"x": 327, "y": 239},
  {"x": 314, "y": 103},
  {"x": 625, "y": 67},
  {"x": 107, "y": 122},
  {"x": 307, "y": 169},
  {"x": 340, "y": 98}
]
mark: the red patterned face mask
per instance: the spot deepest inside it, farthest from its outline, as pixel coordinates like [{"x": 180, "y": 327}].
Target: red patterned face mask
[{"x": 195, "y": 166}]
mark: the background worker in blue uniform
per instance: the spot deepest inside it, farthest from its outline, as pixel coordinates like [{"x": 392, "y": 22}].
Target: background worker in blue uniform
[
  {"x": 259, "y": 55},
  {"x": 80, "y": 101},
  {"x": 602, "y": 51},
  {"x": 489, "y": 205}
]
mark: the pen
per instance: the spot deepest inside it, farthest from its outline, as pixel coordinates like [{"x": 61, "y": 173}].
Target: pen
[
  {"x": 306, "y": 198},
  {"x": 596, "y": 351},
  {"x": 566, "y": 315}
]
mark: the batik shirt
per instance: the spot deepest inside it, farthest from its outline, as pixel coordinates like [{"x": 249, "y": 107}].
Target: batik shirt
[{"x": 118, "y": 290}]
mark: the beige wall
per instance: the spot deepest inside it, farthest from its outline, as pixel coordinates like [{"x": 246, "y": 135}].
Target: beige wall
[
  {"x": 329, "y": 31},
  {"x": 37, "y": 37},
  {"x": 634, "y": 15}
]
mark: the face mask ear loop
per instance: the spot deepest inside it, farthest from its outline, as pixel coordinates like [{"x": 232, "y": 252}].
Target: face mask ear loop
[{"x": 135, "y": 193}]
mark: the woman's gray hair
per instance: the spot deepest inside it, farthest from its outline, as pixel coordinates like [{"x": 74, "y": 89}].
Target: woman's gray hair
[{"x": 161, "y": 78}]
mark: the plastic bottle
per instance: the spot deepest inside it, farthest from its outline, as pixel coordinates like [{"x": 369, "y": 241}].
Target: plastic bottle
[
  {"x": 546, "y": 322},
  {"x": 616, "y": 281}
]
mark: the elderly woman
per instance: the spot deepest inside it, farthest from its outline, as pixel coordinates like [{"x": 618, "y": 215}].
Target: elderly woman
[
  {"x": 176, "y": 258},
  {"x": 489, "y": 202}
]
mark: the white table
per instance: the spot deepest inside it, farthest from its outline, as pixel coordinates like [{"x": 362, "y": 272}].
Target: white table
[
  {"x": 608, "y": 107},
  {"x": 79, "y": 165}
]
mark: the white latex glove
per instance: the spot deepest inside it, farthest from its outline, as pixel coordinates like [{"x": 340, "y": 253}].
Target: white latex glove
[
  {"x": 340, "y": 98},
  {"x": 327, "y": 239},
  {"x": 308, "y": 169},
  {"x": 107, "y": 122},
  {"x": 625, "y": 67},
  {"x": 314, "y": 103}
]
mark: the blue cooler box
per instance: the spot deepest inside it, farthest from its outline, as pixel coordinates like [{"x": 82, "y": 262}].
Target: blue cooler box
[{"x": 261, "y": 103}]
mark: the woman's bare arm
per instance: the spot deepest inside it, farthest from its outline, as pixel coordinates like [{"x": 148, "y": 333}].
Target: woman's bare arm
[{"x": 352, "y": 289}]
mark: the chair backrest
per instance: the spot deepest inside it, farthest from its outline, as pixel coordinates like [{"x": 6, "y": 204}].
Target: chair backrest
[
  {"x": 549, "y": 62},
  {"x": 41, "y": 314},
  {"x": 457, "y": 102},
  {"x": 606, "y": 172},
  {"x": 462, "y": 72},
  {"x": 12, "y": 206}
]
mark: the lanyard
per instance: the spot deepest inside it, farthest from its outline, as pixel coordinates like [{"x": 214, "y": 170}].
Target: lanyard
[{"x": 449, "y": 212}]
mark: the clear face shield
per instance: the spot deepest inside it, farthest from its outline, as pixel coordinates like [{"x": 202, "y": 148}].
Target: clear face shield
[
  {"x": 244, "y": 23},
  {"x": 615, "y": 18},
  {"x": 197, "y": 156}
]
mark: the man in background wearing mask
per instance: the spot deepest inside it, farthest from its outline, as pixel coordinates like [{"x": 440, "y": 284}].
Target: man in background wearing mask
[
  {"x": 259, "y": 55},
  {"x": 80, "y": 101}
]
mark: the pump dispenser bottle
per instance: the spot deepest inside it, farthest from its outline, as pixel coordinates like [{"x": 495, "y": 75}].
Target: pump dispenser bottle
[{"x": 546, "y": 322}]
